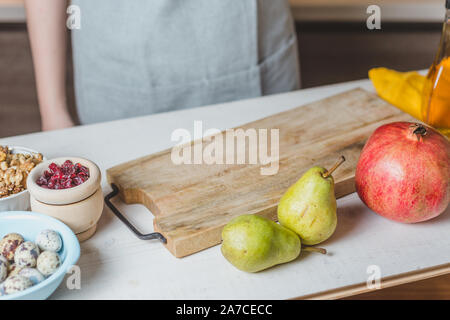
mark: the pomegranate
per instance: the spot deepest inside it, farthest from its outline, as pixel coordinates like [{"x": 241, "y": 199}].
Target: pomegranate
[{"x": 403, "y": 172}]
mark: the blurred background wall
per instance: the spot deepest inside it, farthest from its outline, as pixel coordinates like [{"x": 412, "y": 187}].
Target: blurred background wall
[{"x": 334, "y": 46}]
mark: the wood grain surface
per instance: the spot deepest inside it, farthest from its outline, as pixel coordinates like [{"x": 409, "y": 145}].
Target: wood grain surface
[
  {"x": 361, "y": 291},
  {"x": 192, "y": 203},
  {"x": 436, "y": 288}
]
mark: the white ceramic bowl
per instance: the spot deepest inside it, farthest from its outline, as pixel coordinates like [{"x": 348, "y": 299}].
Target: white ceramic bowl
[
  {"x": 64, "y": 196},
  {"x": 29, "y": 224},
  {"x": 19, "y": 201}
]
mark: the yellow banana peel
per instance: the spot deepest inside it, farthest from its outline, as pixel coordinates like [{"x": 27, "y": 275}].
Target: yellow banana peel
[{"x": 401, "y": 89}]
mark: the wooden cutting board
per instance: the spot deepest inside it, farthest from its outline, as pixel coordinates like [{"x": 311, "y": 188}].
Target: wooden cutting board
[{"x": 192, "y": 202}]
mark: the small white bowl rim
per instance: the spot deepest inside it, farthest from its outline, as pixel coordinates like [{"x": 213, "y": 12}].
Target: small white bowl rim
[
  {"x": 69, "y": 261},
  {"x": 15, "y": 195},
  {"x": 25, "y": 150}
]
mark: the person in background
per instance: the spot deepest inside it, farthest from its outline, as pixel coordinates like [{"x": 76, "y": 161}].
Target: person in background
[{"x": 139, "y": 57}]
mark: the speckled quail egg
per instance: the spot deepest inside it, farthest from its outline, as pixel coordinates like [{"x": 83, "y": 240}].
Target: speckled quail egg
[
  {"x": 26, "y": 255},
  {"x": 13, "y": 270},
  {"x": 33, "y": 274},
  {"x": 16, "y": 284},
  {"x": 9, "y": 244},
  {"x": 48, "y": 262},
  {"x": 49, "y": 240},
  {"x": 3, "y": 270}
]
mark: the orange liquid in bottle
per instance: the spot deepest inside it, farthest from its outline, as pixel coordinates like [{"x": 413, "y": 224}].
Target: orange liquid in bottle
[{"x": 436, "y": 95}]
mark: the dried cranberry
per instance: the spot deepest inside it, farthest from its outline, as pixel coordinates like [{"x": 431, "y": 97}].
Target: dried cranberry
[
  {"x": 77, "y": 181},
  {"x": 67, "y": 163},
  {"x": 67, "y": 171},
  {"x": 82, "y": 174},
  {"x": 84, "y": 170},
  {"x": 53, "y": 167},
  {"x": 66, "y": 176},
  {"x": 68, "y": 168},
  {"x": 68, "y": 184}
]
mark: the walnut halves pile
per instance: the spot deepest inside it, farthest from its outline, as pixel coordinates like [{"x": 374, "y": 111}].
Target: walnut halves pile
[{"x": 14, "y": 170}]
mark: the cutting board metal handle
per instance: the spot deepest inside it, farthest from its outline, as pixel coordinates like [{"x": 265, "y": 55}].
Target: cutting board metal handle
[{"x": 148, "y": 236}]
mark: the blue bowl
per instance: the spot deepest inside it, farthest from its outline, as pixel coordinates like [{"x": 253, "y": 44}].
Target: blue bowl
[{"x": 29, "y": 224}]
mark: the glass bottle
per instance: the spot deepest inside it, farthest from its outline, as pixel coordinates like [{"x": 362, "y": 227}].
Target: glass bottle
[{"x": 436, "y": 104}]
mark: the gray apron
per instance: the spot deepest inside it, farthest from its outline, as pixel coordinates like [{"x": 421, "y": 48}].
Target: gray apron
[{"x": 139, "y": 57}]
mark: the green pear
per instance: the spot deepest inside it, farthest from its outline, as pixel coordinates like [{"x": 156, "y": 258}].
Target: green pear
[
  {"x": 252, "y": 243},
  {"x": 309, "y": 206}
]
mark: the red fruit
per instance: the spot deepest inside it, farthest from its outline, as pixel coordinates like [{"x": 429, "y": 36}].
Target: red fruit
[
  {"x": 77, "y": 181},
  {"x": 53, "y": 167},
  {"x": 42, "y": 181},
  {"x": 67, "y": 163},
  {"x": 403, "y": 172}
]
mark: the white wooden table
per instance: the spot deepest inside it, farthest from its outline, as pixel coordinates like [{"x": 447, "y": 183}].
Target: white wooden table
[
  {"x": 406, "y": 11},
  {"x": 116, "y": 265},
  {"x": 314, "y": 10}
]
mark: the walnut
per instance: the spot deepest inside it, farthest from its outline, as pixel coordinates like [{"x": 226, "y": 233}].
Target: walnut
[
  {"x": 4, "y": 192},
  {"x": 27, "y": 166},
  {"x": 37, "y": 158},
  {"x": 3, "y": 152}
]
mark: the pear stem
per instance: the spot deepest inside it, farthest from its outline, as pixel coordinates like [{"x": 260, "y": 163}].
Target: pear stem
[
  {"x": 336, "y": 165},
  {"x": 314, "y": 249}
]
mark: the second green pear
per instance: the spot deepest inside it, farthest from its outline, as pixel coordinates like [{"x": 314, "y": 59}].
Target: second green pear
[{"x": 309, "y": 206}]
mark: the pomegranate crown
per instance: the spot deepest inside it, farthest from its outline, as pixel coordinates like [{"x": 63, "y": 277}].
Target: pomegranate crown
[{"x": 419, "y": 130}]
